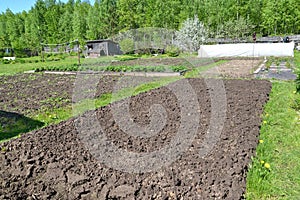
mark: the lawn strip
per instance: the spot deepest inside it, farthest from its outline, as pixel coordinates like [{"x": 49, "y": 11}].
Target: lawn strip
[{"x": 274, "y": 172}]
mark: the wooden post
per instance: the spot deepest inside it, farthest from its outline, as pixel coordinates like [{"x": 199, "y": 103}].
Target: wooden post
[
  {"x": 78, "y": 50},
  {"x": 42, "y": 53}
]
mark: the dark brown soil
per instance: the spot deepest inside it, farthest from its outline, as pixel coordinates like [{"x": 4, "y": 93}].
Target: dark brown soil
[
  {"x": 189, "y": 62},
  {"x": 30, "y": 93},
  {"x": 54, "y": 163}
]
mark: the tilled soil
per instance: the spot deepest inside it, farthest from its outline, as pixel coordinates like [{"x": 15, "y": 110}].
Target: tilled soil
[
  {"x": 188, "y": 62},
  {"x": 25, "y": 93},
  {"x": 234, "y": 69},
  {"x": 55, "y": 163},
  {"x": 30, "y": 93}
]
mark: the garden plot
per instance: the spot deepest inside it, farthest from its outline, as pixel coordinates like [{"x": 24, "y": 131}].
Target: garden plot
[
  {"x": 281, "y": 70},
  {"x": 241, "y": 68},
  {"x": 54, "y": 163},
  {"x": 28, "y": 93}
]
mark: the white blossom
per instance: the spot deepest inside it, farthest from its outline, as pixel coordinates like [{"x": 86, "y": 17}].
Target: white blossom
[{"x": 191, "y": 35}]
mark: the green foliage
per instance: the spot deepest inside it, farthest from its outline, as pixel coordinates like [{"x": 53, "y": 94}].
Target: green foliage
[
  {"x": 298, "y": 82},
  {"x": 58, "y": 22},
  {"x": 127, "y": 45},
  {"x": 135, "y": 68},
  {"x": 79, "y": 21},
  {"x": 297, "y": 65},
  {"x": 32, "y": 63},
  {"x": 172, "y": 51},
  {"x": 296, "y": 102},
  {"x": 280, "y": 17},
  {"x": 69, "y": 67},
  {"x": 109, "y": 18},
  {"x": 127, "y": 57},
  {"x": 236, "y": 29},
  {"x": 178, "y": 68}
]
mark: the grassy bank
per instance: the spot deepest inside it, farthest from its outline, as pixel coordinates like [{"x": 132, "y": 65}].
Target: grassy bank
[{"x": 274, "y": 172}]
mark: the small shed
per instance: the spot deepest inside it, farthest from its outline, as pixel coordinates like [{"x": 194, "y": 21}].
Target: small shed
[{"x": 96, "y": 48}]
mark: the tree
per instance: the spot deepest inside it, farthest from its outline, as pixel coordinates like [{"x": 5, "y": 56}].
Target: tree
[
  {"x": 93, "y": 23},
  {"x": 15, "y": 28},
  {"x": 191, "y": 34},
  {"x": 65, "y": 26},
  {"x": 108, "y": 18},
  {"x": 281, "y": 17},
  {"x": 38, "y": 12},
  {"x": 4, "y": 40},
  {"x": 79, "y": 21},
  {"x": 31, "y": 36},
  {"x": 166, "y": 14},
  {"x": 132, "y": 14},
  {"x": 52, "y": 16}
]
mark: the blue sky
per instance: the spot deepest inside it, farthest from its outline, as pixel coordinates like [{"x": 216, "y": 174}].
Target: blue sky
[{"x": 20, "y": 5}]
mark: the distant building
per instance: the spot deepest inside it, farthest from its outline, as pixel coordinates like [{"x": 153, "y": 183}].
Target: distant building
[
  {"x": 60, "y": 48},
  {"x": 97, "y": 48}
]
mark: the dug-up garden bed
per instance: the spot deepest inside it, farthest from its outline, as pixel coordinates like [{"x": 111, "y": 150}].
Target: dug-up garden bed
[{"x": 55, "y": 163}]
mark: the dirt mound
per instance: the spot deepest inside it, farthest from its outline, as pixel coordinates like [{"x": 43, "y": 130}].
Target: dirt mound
[{"x": 54, "y": 163}]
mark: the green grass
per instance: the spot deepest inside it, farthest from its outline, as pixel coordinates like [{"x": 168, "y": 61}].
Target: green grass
[
  {"x": 70, "y": 64},
  {"x": 297, "y": 64},
  {"x": 279, "y": 146},
  {"x": 12, "y": 124},
  {"x": 196, "y": 72},
  {"x": 11, "y": 69}
]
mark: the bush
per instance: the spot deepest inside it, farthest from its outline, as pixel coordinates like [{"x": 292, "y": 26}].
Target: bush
[
  {"x": 4, "y": 61},
  {"x": 20, "y": 53},
  {"x": 298, "y": 81},
  {"x": 127, "y": 46},
  {"x": 127, "y": 57},
  {"x": 178, "y": 68},
  {"x": 172, "y": 51},
  {"x": 296, "y": 102},
  {"x": 22, "y": 61}
]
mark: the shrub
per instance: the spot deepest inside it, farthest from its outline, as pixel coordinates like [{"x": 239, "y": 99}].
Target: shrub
[
  {"x": 178, "y": 68},
  {"x": 22, "y": 61},
  {"x": 127, "y": 46},
  {"x": 4, "y": 61},
  {"x": 296, "y": 102},
  {"x": 191, "y": 34},
  {"x": 298, "y": 81},
  {"x": 172, "y": 51}
]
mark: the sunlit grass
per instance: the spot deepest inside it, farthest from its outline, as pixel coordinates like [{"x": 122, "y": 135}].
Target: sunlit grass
[
  {"x": 280, "y": 133},
  {"x": 11, "y": 69},
  {"x": 196, "y": 72}
]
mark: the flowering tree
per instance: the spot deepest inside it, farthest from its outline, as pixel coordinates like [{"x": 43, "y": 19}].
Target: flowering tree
[{"x": 191, "y": 34}]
